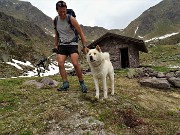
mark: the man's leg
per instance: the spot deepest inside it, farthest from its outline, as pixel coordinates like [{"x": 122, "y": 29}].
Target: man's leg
[
  {"x": 75, "y": 62},
  {"x": 61, "y": 60}
]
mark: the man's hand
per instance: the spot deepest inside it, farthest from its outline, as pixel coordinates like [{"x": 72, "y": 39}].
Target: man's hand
[
  {"x": 54, "y": 50},
  {"x": 84, "y": 49}
]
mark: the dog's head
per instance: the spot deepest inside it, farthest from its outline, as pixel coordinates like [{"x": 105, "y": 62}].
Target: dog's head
[{"x": 93, "y": 55}]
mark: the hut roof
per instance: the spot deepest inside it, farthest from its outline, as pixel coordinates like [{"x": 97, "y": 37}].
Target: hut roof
[{"x": 138, "y": 43}]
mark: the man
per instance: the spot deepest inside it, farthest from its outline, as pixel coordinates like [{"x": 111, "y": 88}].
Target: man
[{"x": 66, "y": 44}]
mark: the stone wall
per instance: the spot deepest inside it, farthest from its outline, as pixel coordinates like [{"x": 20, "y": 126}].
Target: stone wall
[
  {"x": 133, "y": 56},
  {"x": 113, "y": 46},
  {"x": 150, "y": 78}
]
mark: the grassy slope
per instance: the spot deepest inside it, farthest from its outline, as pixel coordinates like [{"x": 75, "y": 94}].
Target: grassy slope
[
  {"x": 26, "y": 110},
  {"x": 161, "y": 55}
]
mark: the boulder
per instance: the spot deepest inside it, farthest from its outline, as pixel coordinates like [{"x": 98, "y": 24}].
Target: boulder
[
  {"x": 154, "y": 82},
  {"x": 49, "y": 82},
  {"x": 38, "y": 85},
  {"x": 170, "y": 74},
  {"x": 177, "y": 74},
  {"x": 174, "y": 81},
  {"x": 44, "y": 83},
  {"x": 161, "y": 75}
]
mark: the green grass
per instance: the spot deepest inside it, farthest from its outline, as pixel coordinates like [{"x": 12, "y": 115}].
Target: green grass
[
  {"x": 161, "y": 69},
  {"x": 25, "y": 110},
  {"x": 161, "y": 56}
]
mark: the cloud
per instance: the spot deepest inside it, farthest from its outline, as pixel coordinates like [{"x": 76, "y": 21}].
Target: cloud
[{"x": 110, "y": 14}]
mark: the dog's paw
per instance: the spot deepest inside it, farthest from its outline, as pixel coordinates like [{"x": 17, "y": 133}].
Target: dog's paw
[{"x": 97, "y": 96}]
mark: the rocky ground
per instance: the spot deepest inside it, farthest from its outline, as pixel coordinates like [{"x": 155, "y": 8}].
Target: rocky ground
[{"x": 134, "y": 109}]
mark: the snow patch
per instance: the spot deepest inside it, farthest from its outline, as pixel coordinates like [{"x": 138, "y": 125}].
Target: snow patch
[
  {"x": 15, "y": 65},
  {"x": 162, "y": 37},
  {"x": 140, "y": 37},
  {"x": 52, "y": 68},
  {"x": 136, "y": 30},
  {"x": 174, "y": 66}
]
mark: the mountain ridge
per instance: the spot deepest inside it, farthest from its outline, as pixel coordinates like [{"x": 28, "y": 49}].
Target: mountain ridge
[
  {"x": 158, "y": 20},
  {"x": 26, "y": 11},
  {"x": 21, "y": 38},
  {"x": 26, "y": 33}
]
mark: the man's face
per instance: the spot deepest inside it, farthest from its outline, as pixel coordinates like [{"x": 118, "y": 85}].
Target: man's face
[{"x": 62, "y": 12}]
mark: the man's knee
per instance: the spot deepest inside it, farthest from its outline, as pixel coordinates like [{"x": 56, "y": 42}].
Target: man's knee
[
  {"x": 61, "y": 64},
  {"x": 76, "y": 65}
]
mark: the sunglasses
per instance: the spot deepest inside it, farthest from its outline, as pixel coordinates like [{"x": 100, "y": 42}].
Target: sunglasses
[{"x": 62, "y": 4}]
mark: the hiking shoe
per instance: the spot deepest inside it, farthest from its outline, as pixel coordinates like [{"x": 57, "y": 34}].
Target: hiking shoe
[
  {"x": 83, "y": 87},
  {"x": 64, "y": 87}
]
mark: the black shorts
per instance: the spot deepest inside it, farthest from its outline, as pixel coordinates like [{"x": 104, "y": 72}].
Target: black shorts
[{"x": 67, "y": 49}]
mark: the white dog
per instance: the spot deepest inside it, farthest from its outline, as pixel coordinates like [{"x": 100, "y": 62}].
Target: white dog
[{"x": 101, "y": 68}]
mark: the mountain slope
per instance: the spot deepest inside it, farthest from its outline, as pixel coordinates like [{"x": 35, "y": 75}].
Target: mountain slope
[
  {"x": 23, "y": 27},
  {"x": 21, "y": 39},
  {"x": 93, "y": 33},
  {"x": 163, "y": 18},
  {"x": 25, "y": 11}
]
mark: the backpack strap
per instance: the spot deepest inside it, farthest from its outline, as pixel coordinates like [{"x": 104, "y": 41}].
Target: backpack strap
[
  {"x": 69, "y": 22},
  {"x": 55, "y": 26},
  {"x": 55, "y": 22},
  {"x": 72, "y": 27}
]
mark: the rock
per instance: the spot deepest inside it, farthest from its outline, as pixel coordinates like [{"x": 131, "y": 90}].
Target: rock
[
  {"x": 160, "y": 83},
  {"x": 148, "y": 70},
  {"x": 38, "y": 85},
  {"x": 174, "y": 81},
  {"x": 139, "y": 73},
  {"x": 45, "y": 82},
  {"x": 177, "y": 74},
  {"x": 162, "y": 78},
  {"x": 49, "y": 82},
  {"x": 79, "y": 125},
  {"x": 161, "y": 75},
  {"x": 153, "y": 74},
  {"x": 170, "y": 74}
]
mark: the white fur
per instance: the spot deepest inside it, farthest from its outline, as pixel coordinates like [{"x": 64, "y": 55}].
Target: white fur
[{"x": 101, "y": 68}]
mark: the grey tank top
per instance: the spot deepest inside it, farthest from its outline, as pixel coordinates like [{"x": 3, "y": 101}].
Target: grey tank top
[{"x": 66, "y": 34}]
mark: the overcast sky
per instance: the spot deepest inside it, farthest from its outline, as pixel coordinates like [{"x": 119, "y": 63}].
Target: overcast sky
[{"x": 110, "y": 14}]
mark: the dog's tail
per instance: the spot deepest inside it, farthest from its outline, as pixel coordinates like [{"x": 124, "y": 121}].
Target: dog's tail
[{"x": 106, "y": 56}]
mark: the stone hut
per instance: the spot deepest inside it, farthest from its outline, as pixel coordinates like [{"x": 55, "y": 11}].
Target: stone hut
[{"x": 124, "y": 51}]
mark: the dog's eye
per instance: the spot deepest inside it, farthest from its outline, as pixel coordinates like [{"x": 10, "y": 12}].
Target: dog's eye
[{"x": 94, "y": 53}]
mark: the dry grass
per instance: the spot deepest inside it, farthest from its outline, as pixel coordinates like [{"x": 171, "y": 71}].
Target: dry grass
[{"x": 132, "y": 110}]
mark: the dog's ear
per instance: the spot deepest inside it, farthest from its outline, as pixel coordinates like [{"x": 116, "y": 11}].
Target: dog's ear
[
  {"x": 98, "y": 48},
  {"x": 86, "y": 50}
]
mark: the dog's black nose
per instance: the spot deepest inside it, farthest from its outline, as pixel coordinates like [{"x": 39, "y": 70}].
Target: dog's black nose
[{"x": 91, "y": 58}]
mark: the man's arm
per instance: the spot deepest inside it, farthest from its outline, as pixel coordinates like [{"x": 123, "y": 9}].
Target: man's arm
[{"x": 79, "y": 30}]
